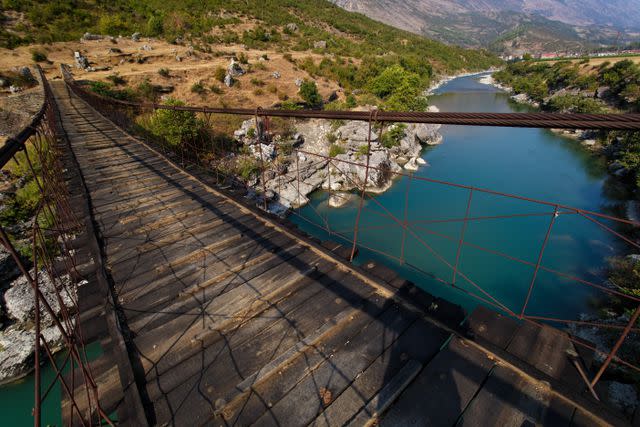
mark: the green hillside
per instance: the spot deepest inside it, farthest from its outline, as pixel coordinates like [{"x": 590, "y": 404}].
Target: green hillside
[{"x": 347, "y": 34}]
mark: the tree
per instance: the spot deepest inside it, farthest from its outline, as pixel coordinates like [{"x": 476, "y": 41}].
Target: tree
[
  {"x": 176, "y": 127},
  {"x": 309, "y": 93}
]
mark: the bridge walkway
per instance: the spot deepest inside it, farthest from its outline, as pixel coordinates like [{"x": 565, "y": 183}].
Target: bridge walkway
[{"x": 231, "y": 317}]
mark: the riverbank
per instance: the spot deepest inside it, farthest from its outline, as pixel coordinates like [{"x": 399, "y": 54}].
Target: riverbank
[{"x": 442, "y": 80}]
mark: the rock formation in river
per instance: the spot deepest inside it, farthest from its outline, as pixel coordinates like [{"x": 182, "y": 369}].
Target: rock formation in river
[{"x": 333, "y": 156}]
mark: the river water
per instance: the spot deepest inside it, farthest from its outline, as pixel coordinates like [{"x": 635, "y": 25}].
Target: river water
[{"x": 535, "y": 163}]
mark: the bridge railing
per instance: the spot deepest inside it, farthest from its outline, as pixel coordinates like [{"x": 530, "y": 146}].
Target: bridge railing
[
  {"x": 49, "y": 264},
  {"x": 450, "y": 242}
]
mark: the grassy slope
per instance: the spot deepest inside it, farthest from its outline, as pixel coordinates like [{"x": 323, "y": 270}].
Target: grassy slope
[{"x": 347, "y": 34}]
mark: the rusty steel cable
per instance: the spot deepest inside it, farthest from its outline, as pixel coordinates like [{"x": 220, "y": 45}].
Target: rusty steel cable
[
  {"x": 628, "y": 121},
  {"x": 122, "y": 112}
]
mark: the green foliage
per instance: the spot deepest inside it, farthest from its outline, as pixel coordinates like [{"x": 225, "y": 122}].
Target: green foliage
[
  {"x": 107, "y": 90},
  {"x": 242, "y": 58},
  {"x": 576, "y": 104},
  {"x": 290, "y": 105},
  {"x": 393, "y": 135},
  {"x": 219, "y": 74},
  {"x": 216, "y": 89},
  {"x": 155, "y": 26},
  {"x": 400, "y": 89},
  {"x": 251, "y": 132},
  {"x": 625, "y": 274},
  {"x": 147, "y": 91},
  {"x": 257, "y": 82},
  {"x": 362, "y": 150},
  {"x": 164, "y": 72},
  {"x": 630, "y": 155},
  {"x": 198, "y": 88},
  {"x": 38, "y": 56},
  {"x": 309, "y": 93},
  {"x": 538, "y": 80},
  {"x": 176, "y": 127},
  {"x": 336, "y": 149},
  {"x": 247, "y": 167},
  {"x": 331, "y": 138},
  {"x": 116, "y": 79}
]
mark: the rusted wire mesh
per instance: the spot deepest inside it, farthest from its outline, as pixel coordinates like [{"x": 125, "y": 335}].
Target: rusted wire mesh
[
  {"x": 52, "y": 270},
  {"x": 419, "y": 230}
]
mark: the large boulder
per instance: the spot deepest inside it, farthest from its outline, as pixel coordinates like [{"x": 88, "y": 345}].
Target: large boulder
[
  {"x": 17, "y": 349},
  {"x": 235, "y": 69},
  {"x": 19, "y": 299},
  {"x": 81, "y": 60},
  {"x": 356, "y": 132},
  {"x": 381, "y": 170}
]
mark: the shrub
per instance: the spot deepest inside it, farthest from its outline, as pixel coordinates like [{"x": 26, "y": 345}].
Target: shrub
[
  {"x": 147, "y": 91},
  {"x": 251, "y": 132},
  {"x": 257, "y": 82},
  {"x": 176, "y": 127},
  {"x": 198, "y": 88},
  {"x": 391, "y": 138},
  {"x": 625, "y": 273},
  {"x": 290, "y": 105},
  {"x": 38, "y": 56},
  {"x": 164, "y": 72},
  {"x": 309, "y": 93},
  {"x": 336, "y": 149},
  {"x": 219, "y": 74},
  {"x": 258, "y": 92},
  {"x": 272, "y": 89},
  {"x": 351, "y": 101},
  {"x": 331, "y": 137},
  {"x": 107, "y": 90},
  {"x": 247, "y": 166},
  {"x": 401, "y": 89},
  {"x": 216, "y": 89},
  {"x": 242, "y": 58},
  {"x": 362, "y": 150},
  {"x": 155, "y": 26},
  {"x": 116, "y": 79}
]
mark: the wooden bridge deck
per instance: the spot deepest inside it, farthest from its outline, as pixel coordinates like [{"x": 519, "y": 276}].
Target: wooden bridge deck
[{"x": 226, "y": 317}]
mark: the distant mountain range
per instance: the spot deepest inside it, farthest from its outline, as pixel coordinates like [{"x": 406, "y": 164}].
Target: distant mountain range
[{"x": 511, "y": 26}]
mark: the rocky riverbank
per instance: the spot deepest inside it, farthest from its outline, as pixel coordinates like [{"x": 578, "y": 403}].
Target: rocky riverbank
[{"x": 333, "y": 156}]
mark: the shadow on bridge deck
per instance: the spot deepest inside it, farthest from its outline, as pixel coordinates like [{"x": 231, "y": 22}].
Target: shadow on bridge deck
[{"x": 233, "y": 318}]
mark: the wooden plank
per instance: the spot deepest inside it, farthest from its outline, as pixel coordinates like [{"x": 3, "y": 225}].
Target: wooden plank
[
  {"x": 418, "y": 344},
  {"x": 550, "y": 355},
  {"x": 264, "y": 394},
  {"x": 443, "y": 389},
  {"x": 305, "y": 401},
  {"x": 492, "y": 326},
  {"x": 509, "y": 399}
]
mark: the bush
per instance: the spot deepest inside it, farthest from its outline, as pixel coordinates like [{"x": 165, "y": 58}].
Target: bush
[
  {"x": 38, "y": 56},
  {"x": 331, "y": 137},
  {"x": 219, "y": 74},
  {"x": 155, "y": 26},
  {"x": 391, "y": 138},
  {"x": 309, "y": 93},
  {"x": 116, "y": 79},
  {"x": 147, "y": 91},
  {"x": 107, "y": 90},
  {"x": 290, "y": 105},
  {"x": 402, "y": 90},
  {"x": 257, "y": 82},
  {"x": 362, "y": 150},
  {"x": 625, "y": 273},
  {"x": 336, "y": 149},
  {"x": 242, "y": 58},
  {"x": 176, "y": 127},
  {"x": 198, "y": 88},
  {"x": 216, "y": 89},
  {"x": 164, "y": 72},
  {"x": 247, "y": 167}
]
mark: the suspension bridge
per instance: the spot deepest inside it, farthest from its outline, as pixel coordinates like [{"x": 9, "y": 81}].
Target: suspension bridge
[{"x": 212, "y": 311}]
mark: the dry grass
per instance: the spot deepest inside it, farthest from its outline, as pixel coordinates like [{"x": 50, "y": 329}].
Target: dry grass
[{"x": 195, "y": 66}]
